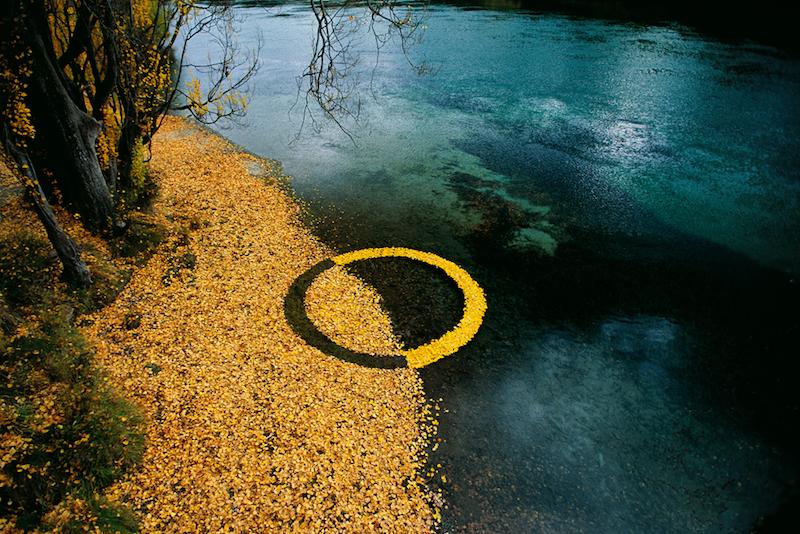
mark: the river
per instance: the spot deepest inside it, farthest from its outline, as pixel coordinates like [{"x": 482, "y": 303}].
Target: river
[{"x": 628, "y": 196}]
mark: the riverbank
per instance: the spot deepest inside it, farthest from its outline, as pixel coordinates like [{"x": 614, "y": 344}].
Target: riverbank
[
  {"x": 65, "y": 432},
  {"x": 248, "y": 427}
]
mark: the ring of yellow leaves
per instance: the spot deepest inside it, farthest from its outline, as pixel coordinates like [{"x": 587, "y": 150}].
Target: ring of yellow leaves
[{"x": 474, "y": 302}]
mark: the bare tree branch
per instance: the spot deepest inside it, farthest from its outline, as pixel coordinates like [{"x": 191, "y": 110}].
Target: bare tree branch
[{"x": 330, "y": 81}]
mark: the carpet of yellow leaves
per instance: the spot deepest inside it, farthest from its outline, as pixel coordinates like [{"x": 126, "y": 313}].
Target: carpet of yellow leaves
[
  {"x": 250, "y": 429},
  {"x": 348, "y": 311}
]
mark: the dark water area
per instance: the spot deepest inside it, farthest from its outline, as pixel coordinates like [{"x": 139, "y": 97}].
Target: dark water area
[
  {"x": 628, "y": 196},
  {"x": 771, "y": 22},
  {"x": 634, "y": 354}
]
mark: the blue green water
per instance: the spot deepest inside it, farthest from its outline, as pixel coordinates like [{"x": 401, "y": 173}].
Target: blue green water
[{"x": 629, "y": 197}]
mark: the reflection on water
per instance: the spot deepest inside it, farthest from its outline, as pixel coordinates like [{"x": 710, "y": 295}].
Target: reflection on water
[
  {"x": 595, "y": 433},
  {"x": 628, "y": 196}
]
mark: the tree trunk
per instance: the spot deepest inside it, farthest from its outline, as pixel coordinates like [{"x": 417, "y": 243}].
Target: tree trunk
[
  {"x": 129, "y": 133},
  {"x": 111, "y": 176},
  {"x": 75, "y": 271},
  {"x": 68, "y": 133}
]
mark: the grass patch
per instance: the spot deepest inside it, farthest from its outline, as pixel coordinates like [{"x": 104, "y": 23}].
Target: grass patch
[
  {"x": 27, "y": 266},
  {"x": 65, "y": 434},
  {"x": 141, "y": 191},
  {"x": 140, "y": 239},
  {"x": 74, "y": 515}
]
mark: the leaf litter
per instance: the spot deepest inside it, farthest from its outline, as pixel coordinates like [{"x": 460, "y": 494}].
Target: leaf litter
[{"x": 249, "y": 428}]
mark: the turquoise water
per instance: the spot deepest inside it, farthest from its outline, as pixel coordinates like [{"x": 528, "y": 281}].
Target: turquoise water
[{"x": 628, "y": 197}]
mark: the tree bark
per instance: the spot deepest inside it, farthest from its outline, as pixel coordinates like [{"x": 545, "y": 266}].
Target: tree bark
[
  {"x": 111, "y": 176},
  {"x": 129, "y": 133},
  {"x": 68, "y": 133},
  {"x": 75, "y": 271}
]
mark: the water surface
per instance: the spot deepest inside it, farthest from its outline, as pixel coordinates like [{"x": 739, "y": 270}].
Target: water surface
[{"x": 628, "y": 197}]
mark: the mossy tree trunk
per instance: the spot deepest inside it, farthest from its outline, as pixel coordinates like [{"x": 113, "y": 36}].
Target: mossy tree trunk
[{"x": 75, "y": 272}]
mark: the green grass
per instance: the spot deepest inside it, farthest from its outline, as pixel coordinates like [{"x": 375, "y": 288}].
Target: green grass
[
  {"x": 65, "y": 434},
  {"x": 139, "y": 240},
  {"x": 26, "y": 266}
]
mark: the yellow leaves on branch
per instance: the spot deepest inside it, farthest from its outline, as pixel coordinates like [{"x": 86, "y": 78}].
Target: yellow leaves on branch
[
  {"x": 224, "y": 102},
  {"x": 232, "y": 100},
  {"x": 14, "y": 87},
  {"x": 106, "y": 144},
  {"x": 196, "y": 99},
  {"x": 149, "y": 72},
  {"x": 138, "y": 172},
  {"x": 143, "y": 11},
  {"x": 186, "y": 6}
]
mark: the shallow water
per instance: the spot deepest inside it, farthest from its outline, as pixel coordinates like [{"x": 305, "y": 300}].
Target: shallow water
[{"x": 628, "y": 196}]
